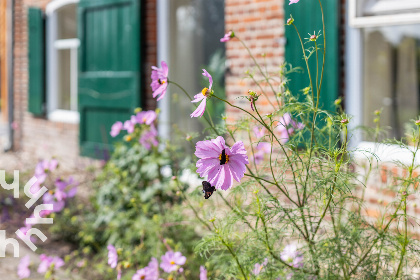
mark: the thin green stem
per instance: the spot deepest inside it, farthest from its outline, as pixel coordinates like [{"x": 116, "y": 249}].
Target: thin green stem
[
  {"x": 210, "y": 122},
  {"x": 261, "y": 71}
]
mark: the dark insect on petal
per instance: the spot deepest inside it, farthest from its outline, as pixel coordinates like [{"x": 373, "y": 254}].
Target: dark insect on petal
[
  {"x": 207, "y": 189},
  {"x": 223, "y": 158}
]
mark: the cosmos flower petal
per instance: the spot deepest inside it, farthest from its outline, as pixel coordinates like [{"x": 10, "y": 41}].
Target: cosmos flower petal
[
  {"x": 198, "y": 97},
  {"x": 200, "y": 109},
  {"x": 227, "y": 182},
  {"x": 206, "y": 74}
]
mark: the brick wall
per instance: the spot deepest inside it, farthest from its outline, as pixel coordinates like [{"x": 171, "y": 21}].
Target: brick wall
[
  {"x": 40, "y": 138},
  {"x": 259, "y": 23}
]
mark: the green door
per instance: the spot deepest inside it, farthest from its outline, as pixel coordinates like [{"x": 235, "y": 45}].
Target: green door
[
  {"x": 109, "y": 70},
  {"x": 307, "y": 18}
]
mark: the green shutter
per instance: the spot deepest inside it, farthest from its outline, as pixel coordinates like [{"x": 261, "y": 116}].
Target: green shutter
[
  {"x": 307, "y": 18},
  {"x": 36, "y": 90},
  {"x": 109, "y": 69}
]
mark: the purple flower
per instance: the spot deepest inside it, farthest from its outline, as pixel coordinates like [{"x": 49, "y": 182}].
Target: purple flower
[
  {"x": 153, "y": 269},
  {"x": 112, "y": 256},
  {"x": 51, "y": 198},
  {"x": 146, "y": 117},
  {"x": 130, "y": 124},
  {"x": 262, "y": 149},
  {"x": 259, "y": 267},
  {"x": 47, "y": 262},
  {"x": 203, "y": 273},
  {"x": 292, "y": 256},
  {"x": 23, "y": 267},
  {"x": 293, "y": 1},
  {"x": 159, "y": 80},
  {"x": 148, "y": 138},
  {"x": 227, "y": 37},
  {"x": 116, "y": 128},
  {"x": 220, "y": 163},
  {"x": 150, "y": 272},
  {"x": 287, "y": 126},
  {"x": 202, "y": 96},
  {"x": 259, "y": 131},
  {"x": 171, "y": 261}
]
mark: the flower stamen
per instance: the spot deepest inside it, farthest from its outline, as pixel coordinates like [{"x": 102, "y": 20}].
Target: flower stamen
[
  {"x": 224, "y": 158},
  {"x": 204, "y": 91}
]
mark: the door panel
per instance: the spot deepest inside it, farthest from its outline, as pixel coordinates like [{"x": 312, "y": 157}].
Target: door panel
[{"x": 109, "y": 66}]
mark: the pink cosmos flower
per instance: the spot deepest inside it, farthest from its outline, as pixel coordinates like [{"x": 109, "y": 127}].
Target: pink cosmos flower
[
  {"x": 159, "y": 80},
  {"x": 116, "y": 128},
  {"x": 171, "y": 261},
  {"x": 148, "y": 138},
  {"x": 130, "y": 124},
  {"x": 262, "y": 149},
  {"x": 150, "y": 272},
  {"x": 220, "y": 163},
  {"x": 112, "y": 256},
  {"x": 153, "y": 269},
  {"x": 23, "y": 267},
  {"x": 51, "y": 198},
  {"x": 203, "y": 273},
  {"x": 47, "y": 262},
  {"x": 293, "y": 2},
  {"x": 287, "y": 126},
  {"x": 202, "y": 96},
  {"x": 227, "y": 37},
  {"x": 292, "y": 256},
  {"x": 259, "y": 267},
  {"x": 259, "y": 131},
  {"x": 146, "y": 117}
]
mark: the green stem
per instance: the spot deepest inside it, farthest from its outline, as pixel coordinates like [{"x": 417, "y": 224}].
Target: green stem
[
  {"x": 210, "y": 122},
  {"x": 261, "y": 71}
]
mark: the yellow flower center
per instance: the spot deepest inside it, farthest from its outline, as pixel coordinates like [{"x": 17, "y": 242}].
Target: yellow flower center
[
  {"x": 224, "y": 158},
  {"x": 161, "y": 82},
  {"x": 172, "y": 262},
  {"x": 144, "y": 120},
  {"x": 51, "y": 192},
  {"x": 204, "y": 91},
  {"x": 142, "y": 277}
]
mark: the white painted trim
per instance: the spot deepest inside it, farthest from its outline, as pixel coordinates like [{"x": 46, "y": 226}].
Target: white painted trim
[
  {"x": 163, "y": 53},
  {"x": 385, "y": 153},
  {"x": 354, "y": 82},
  {"x": 67, "y": 43},
  {"x": 64, "y": 116},
  {"x": 57, "y": 4},
  {"x": 380, "y": 20},
  {"x": 53, "y": 45},
  {"x": 393, "y": 6}
]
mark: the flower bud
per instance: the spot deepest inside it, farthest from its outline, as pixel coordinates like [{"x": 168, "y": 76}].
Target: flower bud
[
  {"x": 290, "y": 20},
  {"x": 337, "y": 101},
  {"x": 344, "y": 121},
  {"x": 417, "y": 122}
]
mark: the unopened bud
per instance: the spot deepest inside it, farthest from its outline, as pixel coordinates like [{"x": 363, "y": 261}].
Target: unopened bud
[
  {"x": 344, "y": 121},
  {"x": 337, "y": 101},
  {"x": 417, "y": 122},
  {"x": 290, "y": 20}
]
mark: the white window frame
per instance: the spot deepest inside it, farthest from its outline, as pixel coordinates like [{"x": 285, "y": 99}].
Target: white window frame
[
  {"x": 354, "y": 75},
  {"x": 53, "y": 46}
]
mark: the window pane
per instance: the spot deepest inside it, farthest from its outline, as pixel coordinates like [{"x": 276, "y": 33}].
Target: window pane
[
  {"x": 196, "y": 27},
  {"x": 391, "y": 76},
  {"x": 66, "y": 22},
  {"x": 63, "y": 83}
]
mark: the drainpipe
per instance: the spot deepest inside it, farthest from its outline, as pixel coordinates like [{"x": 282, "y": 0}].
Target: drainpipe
[
  {"x": 10, "y": 69},
  {"x": 163, "y": 53}
]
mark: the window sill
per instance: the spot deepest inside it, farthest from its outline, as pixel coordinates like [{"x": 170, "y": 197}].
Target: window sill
[
  {"x": 384, "y": 153},
  {"x": 64, "y": 116}
]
